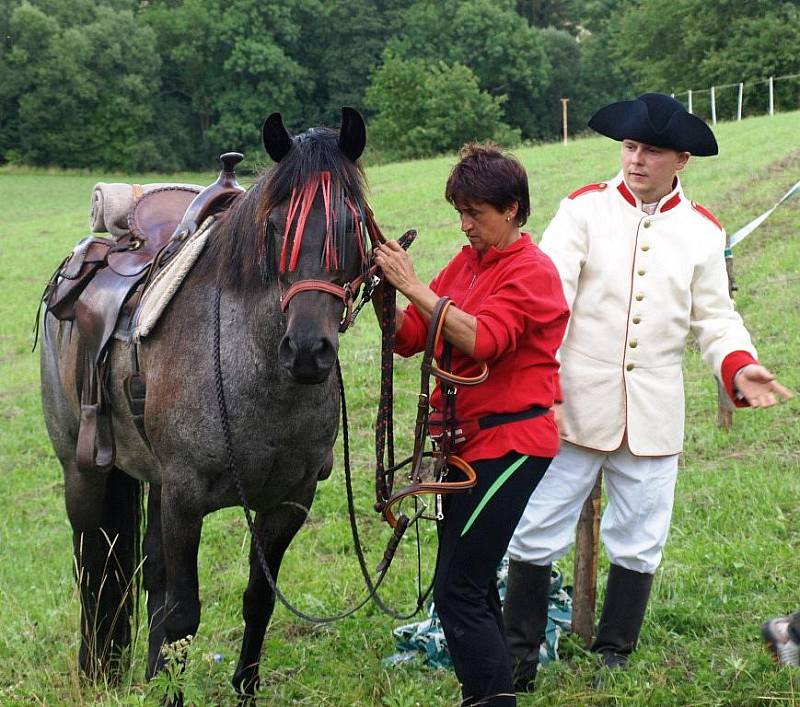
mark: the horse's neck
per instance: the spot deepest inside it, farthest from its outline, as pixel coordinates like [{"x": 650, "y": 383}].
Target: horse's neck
[{"x": 254, "y": 314}]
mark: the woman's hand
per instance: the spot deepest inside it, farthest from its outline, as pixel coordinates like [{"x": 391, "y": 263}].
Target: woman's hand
[
  {"x": 396, "y": 266},
  {"x": 459, "y": 327}
]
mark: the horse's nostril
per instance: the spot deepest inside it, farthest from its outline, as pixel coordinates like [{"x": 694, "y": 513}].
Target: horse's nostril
[{"x": 307, "y": 361}]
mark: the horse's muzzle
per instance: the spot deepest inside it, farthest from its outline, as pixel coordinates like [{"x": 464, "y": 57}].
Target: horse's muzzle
[{"x": 307, "y": 360}]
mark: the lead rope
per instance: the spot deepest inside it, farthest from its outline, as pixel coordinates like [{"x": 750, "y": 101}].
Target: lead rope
[
  {"x": 373, "y": 589},
  {"x": 233, "y": 471}
]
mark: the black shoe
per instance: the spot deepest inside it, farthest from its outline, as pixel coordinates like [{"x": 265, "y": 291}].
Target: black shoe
[
  {"x": 627, "y": 593},
  {"x": 525, "y": 619},
  {"x": 613, "y": 661}
]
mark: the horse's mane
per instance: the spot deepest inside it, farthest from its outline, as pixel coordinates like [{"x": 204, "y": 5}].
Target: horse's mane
[{"x": 240, "y": 252}]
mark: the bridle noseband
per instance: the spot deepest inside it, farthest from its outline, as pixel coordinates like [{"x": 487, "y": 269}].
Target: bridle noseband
[{"x": 345, "y": 293}]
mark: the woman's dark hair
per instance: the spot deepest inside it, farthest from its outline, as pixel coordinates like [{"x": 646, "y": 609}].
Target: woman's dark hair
[{"x": 485, "y": 175}]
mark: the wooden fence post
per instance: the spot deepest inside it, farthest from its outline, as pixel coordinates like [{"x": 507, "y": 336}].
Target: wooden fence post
[{"x": 587, "y": 552}]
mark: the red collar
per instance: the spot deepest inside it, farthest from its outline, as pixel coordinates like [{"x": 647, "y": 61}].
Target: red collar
[
  {"x": 492, "y": 254},
  {"x": 669, "y": 201}
]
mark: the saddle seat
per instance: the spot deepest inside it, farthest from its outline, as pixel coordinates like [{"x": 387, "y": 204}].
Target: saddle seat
[{"x": 103, "y": 278}]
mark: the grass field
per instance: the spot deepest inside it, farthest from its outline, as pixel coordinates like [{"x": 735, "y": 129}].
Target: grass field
[{"x": 734, "y": 550}]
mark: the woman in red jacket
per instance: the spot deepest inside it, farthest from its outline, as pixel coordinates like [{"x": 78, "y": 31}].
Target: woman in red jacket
[{"x": 509, "y": 312}]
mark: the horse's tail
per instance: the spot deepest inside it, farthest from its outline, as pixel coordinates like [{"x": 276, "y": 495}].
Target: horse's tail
[{"x": 118, "y": 597}]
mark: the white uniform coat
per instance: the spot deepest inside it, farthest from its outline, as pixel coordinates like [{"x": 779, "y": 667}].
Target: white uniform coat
[{"x": 636, "y": 286}]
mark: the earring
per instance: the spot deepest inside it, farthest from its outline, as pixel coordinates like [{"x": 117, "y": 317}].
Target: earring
[{"x": 508, "y": 219}]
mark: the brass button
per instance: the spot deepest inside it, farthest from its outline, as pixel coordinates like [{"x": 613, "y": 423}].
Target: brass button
[
  {"x": 647, "y": 224},
  {"x": 636, "y": 320},
  {"x": 645, "y": 247},
  {"x": 639, "y": 297},
  {"x": 633, "y": 343},
  {"x": 641, "y": 271},
  {"x": 629, "y": 367}
]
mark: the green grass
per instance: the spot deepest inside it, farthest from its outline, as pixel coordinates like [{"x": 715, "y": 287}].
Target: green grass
[{"x": 732, "y": 557}]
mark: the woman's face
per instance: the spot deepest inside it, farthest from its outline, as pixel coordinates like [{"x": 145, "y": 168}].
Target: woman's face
[{"x": 485, "y": 226}]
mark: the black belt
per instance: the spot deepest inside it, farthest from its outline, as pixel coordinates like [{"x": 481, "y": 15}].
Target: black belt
[{"x": 503, "y": 418}]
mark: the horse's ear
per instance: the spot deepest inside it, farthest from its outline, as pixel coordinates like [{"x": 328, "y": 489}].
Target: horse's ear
[
  {"x": 276, "y": 140},
  {"x": 352, "y": 133}
]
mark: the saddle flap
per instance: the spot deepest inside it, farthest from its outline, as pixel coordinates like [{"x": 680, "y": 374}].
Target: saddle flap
[{"x": 89, "y": 250}]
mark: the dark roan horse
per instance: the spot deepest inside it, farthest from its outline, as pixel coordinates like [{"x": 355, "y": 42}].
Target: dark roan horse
[{"x": 305, "y": 219}]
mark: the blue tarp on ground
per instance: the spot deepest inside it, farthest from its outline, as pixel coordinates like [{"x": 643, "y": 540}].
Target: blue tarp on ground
[{"x": 427, "y": 638}]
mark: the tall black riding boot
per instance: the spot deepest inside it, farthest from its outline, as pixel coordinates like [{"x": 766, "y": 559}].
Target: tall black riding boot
[
  {"x": 627, "y": 593},
  {"x": 525, "y": 619}
]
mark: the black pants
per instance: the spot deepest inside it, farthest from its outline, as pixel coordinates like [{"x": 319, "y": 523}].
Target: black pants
[{"x": 473, "y": 537}]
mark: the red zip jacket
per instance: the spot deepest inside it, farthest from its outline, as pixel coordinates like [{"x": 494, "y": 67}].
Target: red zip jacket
[{"x": 516, "y": 296}]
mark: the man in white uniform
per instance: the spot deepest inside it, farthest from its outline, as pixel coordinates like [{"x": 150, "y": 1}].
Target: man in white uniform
[{"x": 642, "y": 267}]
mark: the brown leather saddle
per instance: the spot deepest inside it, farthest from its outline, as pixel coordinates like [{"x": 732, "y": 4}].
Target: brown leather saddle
[{"x": 102, "y": 281}]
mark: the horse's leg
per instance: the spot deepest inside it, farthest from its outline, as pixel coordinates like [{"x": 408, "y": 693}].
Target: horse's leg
[
  {"x": 275, "y": 532},
  {"x": 155, "y": 582},
  {"x": 103, "y": 510},
  {"x": 84, "y": 495},
  {"x": 181, "y": 526}
]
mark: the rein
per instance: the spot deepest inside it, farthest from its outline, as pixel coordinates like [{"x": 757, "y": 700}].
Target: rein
[
  {"x": 442, "y": 456},
  {"x": 386, "y": 497},
  {"x": 232, "y": 469}
]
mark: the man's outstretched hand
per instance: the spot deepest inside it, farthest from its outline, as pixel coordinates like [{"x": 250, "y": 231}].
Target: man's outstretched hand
[{"x": 759, "y": 387}]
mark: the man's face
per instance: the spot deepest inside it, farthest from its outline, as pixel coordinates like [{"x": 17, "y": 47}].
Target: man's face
[{"x": 649, "y": 170}]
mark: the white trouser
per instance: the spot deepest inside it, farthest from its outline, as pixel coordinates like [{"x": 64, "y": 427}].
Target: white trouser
[{"x": 635, "y": 522}]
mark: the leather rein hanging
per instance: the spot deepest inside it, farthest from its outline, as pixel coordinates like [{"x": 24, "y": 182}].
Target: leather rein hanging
[{"x": 443, "y": 459}]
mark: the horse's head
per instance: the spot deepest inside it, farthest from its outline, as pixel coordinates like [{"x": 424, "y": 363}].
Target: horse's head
[
  {"x": 316, "y": 227},
  {"x": 303, "y": 229}
]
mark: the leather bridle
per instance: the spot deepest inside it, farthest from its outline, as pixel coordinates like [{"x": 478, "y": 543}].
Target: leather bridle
[
  {"x": 348, "y": 292},
  {"x": 444, "y": 460},
  {"x": 344, "y": 293}
]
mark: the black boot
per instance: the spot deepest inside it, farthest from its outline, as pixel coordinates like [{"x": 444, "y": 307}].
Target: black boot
[
  {"x": 525, "y": 619},
  {"x": 627, "y": 593}
]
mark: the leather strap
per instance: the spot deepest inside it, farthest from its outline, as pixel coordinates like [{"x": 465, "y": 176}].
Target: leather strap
[
  {"x": 443, "y": 459},
  {"x": 343, "y": 293}
]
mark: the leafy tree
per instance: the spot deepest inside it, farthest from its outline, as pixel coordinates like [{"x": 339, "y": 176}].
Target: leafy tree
[
  {"x": 84, "y": 93},
  {"x": 487, "y": 36},
  {"x": 24, "y": 31},
  {"x": 558, "y": 14},
  {"x": 343, "y": 46},
  {"x": 228, "y": 63},
  {"x": 757, "y": 48},
  {"x": 423, "y": 109},
  {"x": 694, "y": 43}
]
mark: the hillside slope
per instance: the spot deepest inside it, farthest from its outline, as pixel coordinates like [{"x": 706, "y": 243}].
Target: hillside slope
[{"x": 731, "y": 561}]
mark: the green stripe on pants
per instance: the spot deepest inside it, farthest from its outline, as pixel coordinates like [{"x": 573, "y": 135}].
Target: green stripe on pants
[{"x": 492, "y": 491}]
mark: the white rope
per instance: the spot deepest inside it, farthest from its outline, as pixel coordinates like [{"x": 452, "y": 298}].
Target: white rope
[{"x": 745, "y": 231}]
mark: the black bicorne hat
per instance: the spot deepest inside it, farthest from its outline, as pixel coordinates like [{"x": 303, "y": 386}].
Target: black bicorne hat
[{"x": 656, "y": 119}]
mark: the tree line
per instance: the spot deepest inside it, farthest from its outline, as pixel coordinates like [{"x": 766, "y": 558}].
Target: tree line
[{"x": 168, "y": 84}]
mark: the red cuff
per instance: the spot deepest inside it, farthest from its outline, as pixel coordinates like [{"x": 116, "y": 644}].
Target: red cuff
[
  {"x": 731, "y": 365},
  {"x": 558, "y": 398}
]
